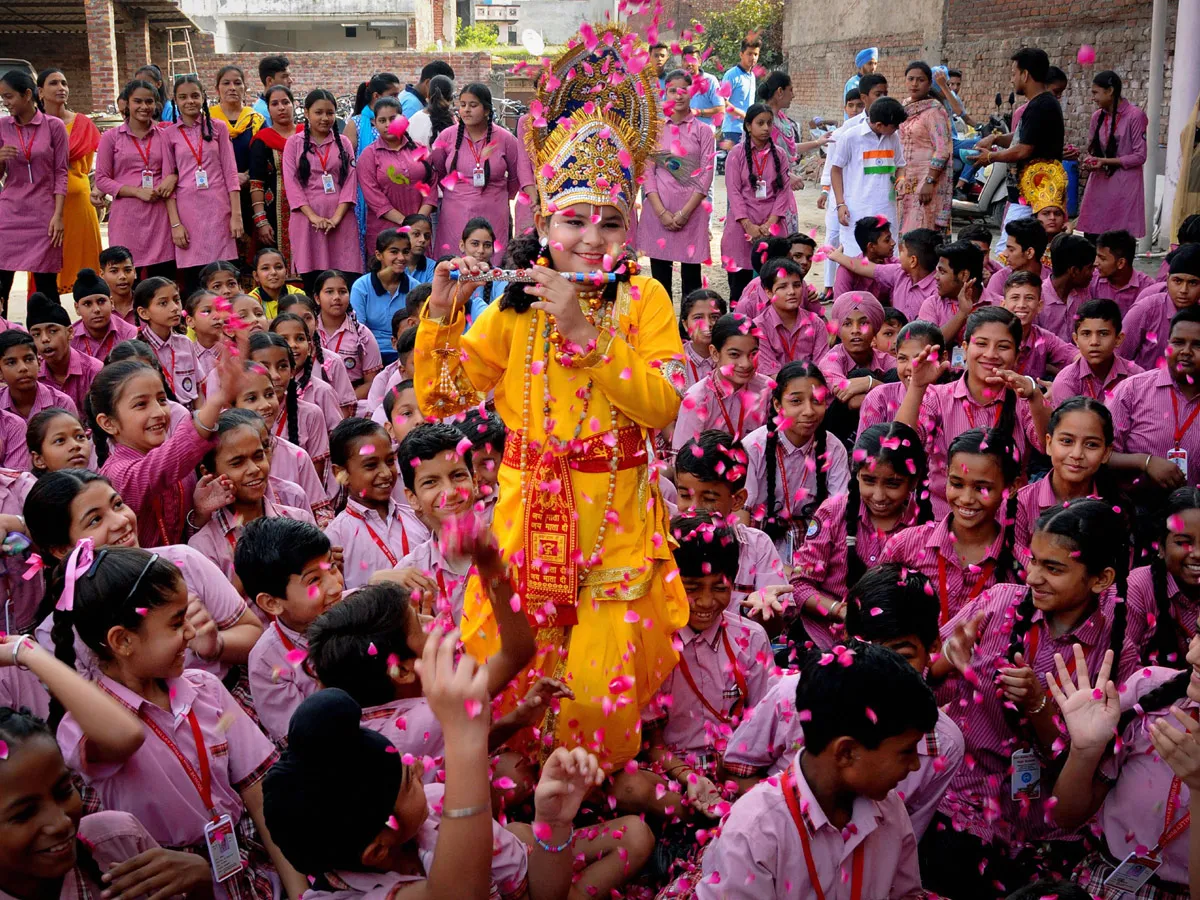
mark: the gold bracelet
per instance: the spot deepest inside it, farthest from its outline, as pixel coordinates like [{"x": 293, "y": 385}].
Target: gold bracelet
[{"x": 1037, "y": 709}]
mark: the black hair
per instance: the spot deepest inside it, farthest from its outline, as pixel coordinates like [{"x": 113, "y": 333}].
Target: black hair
[
  {"x": 697, "y": 296},
  {"x": 21, "y": 81},
  {"x": 732, "y": 325},
  {"x": 1189, "y": 314},
  {"x": 1103, "y": 309},
  {"x": 1167, "y": 643},
  {"x": 1021, "y": 278},
  {"x": 230, "y": 420},
  {"x": 144, "y": 293},
  {"x": 1070, "y": 251},
  {"x": 891, "y": 601},
  {"x": 393, "y": 395},
  {"x": 304, "y": 165},
  {"x": 1105, "y": 483},
  {"x": 475, "y": 224},
  {"x": 867, "y": 82},
  {"x": 303, "y": 374},
  {"x": 438, "y": 105},
  {"x": 485, "y": 431},
  {"x": 273, "y": 549},
  {"x": 114, "y": 254},
  {"x": 205, "y": 118},
  {"x": 105, "y": 393},
  {"x": 920, "y": 330},
  {"x": 1189, "y": 230},
  {"x": 963, "y": 256},
  {"x": 900, "y": 447},
  {"x": 1055, "y": 75},
  {"x": 14, "y": 338},
  {"x": 47, "y": 511},
  {"x": 998, "y": 444},
  {"x": 886, "y": 111},
  {"x": 425, "y": 442},
  {"x": 195, "y": 298},
  {"x": 852, "y": 95},
  {"x": 776, "y": 521},
  {"x": 750, "y": 42},
  {"x": 869, "y": 229},
  {"x": 377, "y": 85},
  {"x": 1108, "y": 80},
  {"x": 998, "y": 315},
  {"x": 979, "y": 232},
  {"x": 270, "y": 66},
  {"x": 772, "y": 84},
  {"x": 263, "y": 340},
  {"x": 385, "y": 239},
  {"x": 778, "y": 246},
  {"x": 525, "y": 250},
  {"x": 713, "y": 457},
  {"x": 753, "y": 113},
  {"x": 35, "y": 431},
  {"x": 1120, "y": 243},
  {"x": 1033, "y": 61},
  {"x": 481, "y": 93},
  {"x": 893, "y": 316},
  {"x": 220, "y": 265},
  {"x": 406, "y": 341},
  {"x": 873, "y": 696},
  {"x": 1029, "y": 233},
  {"x": 266, "y": 251},
  {"x": 266, "y": 97},
  {"x": 398, "y": 318},
  {"x": 347, "y": 431},
  {"x": 329, "y": 275},
  {"x": 135, "y": 348},
  {"x": 705, "y": 546},
  {"x": 923, "y": 66},
  {"x": 923, "y": 243},
  {"x": 412, "y": 219},
  {"x": 436, "y": 67},
  {"x": 773, "y": 269},
  {"x": 41, "y": 83},
  {"x": 354, "y": 643},
  {"x": 287, "y": 301}
]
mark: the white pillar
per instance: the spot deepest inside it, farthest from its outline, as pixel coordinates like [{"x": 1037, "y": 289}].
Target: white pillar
[
  {"x": 1158, "y": 52},
  {"x": 1185, "y": 87}
]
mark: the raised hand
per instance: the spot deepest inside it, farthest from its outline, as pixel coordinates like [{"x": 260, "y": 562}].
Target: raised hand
[
  {"x": 959, "y": 650},
  {"x": 567, "y": 776},
  {"x": 1091, "y": 711},
  {"x": 1179, "y": 749}
]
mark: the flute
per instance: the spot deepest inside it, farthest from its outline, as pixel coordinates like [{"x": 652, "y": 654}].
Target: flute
[{"x": 525, "y": 276}]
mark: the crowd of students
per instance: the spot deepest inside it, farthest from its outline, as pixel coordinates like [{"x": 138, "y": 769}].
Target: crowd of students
[{"x": 399, "y": 585}]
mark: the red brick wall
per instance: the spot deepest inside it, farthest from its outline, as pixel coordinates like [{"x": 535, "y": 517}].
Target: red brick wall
[
  {"x": 68, "y": 52},
  {"x": 819, "y": 72}
]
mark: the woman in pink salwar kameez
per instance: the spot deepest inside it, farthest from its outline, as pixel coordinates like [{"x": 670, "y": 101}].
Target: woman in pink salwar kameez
[
  {"x": 1112, "y": 199},
  {"x": 928, "y": 145}
]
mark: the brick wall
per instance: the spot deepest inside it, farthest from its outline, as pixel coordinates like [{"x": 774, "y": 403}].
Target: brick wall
[{"x": 68, "y": 52}]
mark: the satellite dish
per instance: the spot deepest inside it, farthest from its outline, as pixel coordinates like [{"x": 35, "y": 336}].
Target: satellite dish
[{"x": 532, "y": 41}]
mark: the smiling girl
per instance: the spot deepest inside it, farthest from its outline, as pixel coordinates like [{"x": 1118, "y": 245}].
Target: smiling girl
[{"x": 156, "y": 303}]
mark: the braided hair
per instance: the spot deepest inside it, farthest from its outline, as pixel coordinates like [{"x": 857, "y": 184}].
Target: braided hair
[
  {"x": 1162, "y": 697},
  {"x": 999, "y": 446},
  {"x": 1109, "y": 81},
  {"x": 304, "y": 374},
  {"x": 753, "y": 113},
  {"x": 104, "y": 395},
  {"x": 899, "y": 446},
  {"x": 264, "y": 340},
  {"x": 437, "y": 104},
  {"x": 304, "y": 165},
  {"x": 777, "y": 521},
  {"x": 377, "y": 86},
  {"x": 206, "y": 125},
  {"x": 481, "y": 93},
  {"x": 1166, "y": 643}
]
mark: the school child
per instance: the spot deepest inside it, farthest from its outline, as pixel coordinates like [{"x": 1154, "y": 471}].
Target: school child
[
  {"x": 246, "y": 318},
  {"x": 734, "y": 396},
  {"x": 303, "y": 422},
  {"x": 1141, "y": 790},
  {"x": 488, "y": 436},
  {"x": 800, "y": 249},
  {"x": 98, "y": 328},
  {"x": 13, "y": 452},
  {"x": 137, "y": 601},
  {"x": 206, "y": 314},
  {"x": 847, "y": 534},
  {"x": 118, "y": 272},
  {"x": 831, "y": 824},
  {"x": 439, "y": 482},
  {"x": 401, "y": 413},
  {"x": 996, "y": 824},
  {"x": 288, "y": 571},
  {"x": 63, "y": 368},
  {"x": 1115, "y": 277},
  {"x": 885, "y": 337},
  {"x": 1072, "y": 261},
  {"x": 1098, "y": 369},
  {"x": 321, "y": 187},
  {"x": 205, "y": 210},
  {"x": 479, "y": 241},
  {"x": 307, "y": 355},
  {"x": 873, "y": 234},
  {"x": 331, "y": 368},
  {"x": 883, "y": 401},
  {"x": 22, "y": 393},
  {"x": 710, "y": 476},
  {"x": 405, "y": 342},
  {"x": 156, "y": 301},
  {"x": 352, "y": 778},
  {"x": 759, "y": 195},
  {"x": 1025, "y": 245},
  {"x": 858, "y": 318},
  {"x": 140, "y": 351},
  {"x": 151, "y": 469},
  {"x": 221, "y": 278},
  {"x": 979, "y": 234},
  {"x": 270, "y": 280},
  {"x": 377, "y": 296},
  {"x": 867, "y": 161},
  {"x": 57, "y": 439},
  {"x": 420, "y": 235},
  {"x": 1042, "y": 354},
  {"x": 1079, "y": 442},
  {"x": 909, "y": 281},
  {"x": 349, "y": 339},
  {"x": 698, "y": 313},
  {"x": 890, "y": 606},
  {"x": 973, "y": 545},
  {"x": 792, "y": 466},
  {"x": 787, "y": 332},
  {"x": 21, "y": 597},
  {"x": 960, "y": 284},
  {"x": 723, "y": 671},
  {"x": 1149, "y": 320},
  {"x": 374, "y": 531}
]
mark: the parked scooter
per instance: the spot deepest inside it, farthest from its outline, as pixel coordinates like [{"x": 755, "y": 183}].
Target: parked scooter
[{"x": 987, "y": 192}]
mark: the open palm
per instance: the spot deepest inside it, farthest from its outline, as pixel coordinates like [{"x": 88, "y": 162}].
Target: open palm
[{"x": 1090, "y": 711}]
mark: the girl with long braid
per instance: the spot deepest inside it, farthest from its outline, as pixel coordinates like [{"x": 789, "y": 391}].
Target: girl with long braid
[
  {"x": 321, "y": 188},
  {"x": 477, "y": 164},
  {"x": 308, "y": 354},
  {"x": 995, "y": 825},
  {"x": 1112, "y": 199}
]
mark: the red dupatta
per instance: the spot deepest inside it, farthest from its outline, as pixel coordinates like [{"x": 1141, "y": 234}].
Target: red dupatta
[
  {"x": 272, "y": 138},
  {"x": 85, "y": 138}
]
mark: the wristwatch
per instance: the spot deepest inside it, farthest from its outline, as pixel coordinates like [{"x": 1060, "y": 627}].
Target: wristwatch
[{"x": 930, "y": 180}]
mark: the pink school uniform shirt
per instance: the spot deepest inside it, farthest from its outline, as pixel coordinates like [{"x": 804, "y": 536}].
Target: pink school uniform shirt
[
  {"x": 1078, "y": 380},
  {"x": 1116, "y": 200},
  {"x": 218, "y": 539},
  {"x": 45, "y": 396},
  {"x": 1144, "y": 613},
  {"x": 1124, "y": 297},
  {"x": 21, "y": 596},
  {"x": 393, "y": 181},
  {"x": 206, "y": 361},
  {"x": 321, "y": 394},
  {"x": 278, "y": 684},
  {"x": 759, "y": 565},
  {"x": 412, "y": 728},
  {"x": 1058, "y": 313},
  {"x": 287, "y": 493},
  {"x": 837, "y": 365},
  {"x": 695, "y": 366},
  {"x": 1145, "y": 420},
  {"x": 35, "y": 176},
  {"x": 204, "y": 212},
  {"x": 360, "y": 530},
  {"x": 118, "y": 330},
  {"x": 713, "y": 402},
  {"x": 907, "y": 295},
  {"x": 938, "y": 310},
  {"x": 292, "y": 463},
  {"x": 312, "y": 427},
  {"x": 845, "y": 281},
  {"x": 178, "y": 358},
  {"x": 523, "y": 214},
  {"x": 1148, "y": 329},
  {"x": 779, "y": 345},
  {"x": 389, "y": 376},
  {"x": 980, "y": 798},
  {"x": 730, "y": 681},
  {"x": 20, "y": 687},
  {"x": 929, "y": 548},
  {"x": 81, "y": 370},
  {"x": 451, "y": 577},
  {"x": 773, "y": 732},
  {"x": 736, "y": 247},
  {"x": 333, "y": 372},
  {"x": 239, "y": 755},
  {"x": 14, "y": 452},
  {"x": 1032, "y": 501},
  {"x": 312, "y": 250},
  {"x": 692, "y": 142},
  {"x": 797, "y": 468},
  {"x": 994, "y": 292},
  {"x": 881, "y": 404},
  {"x": 758, "y": 855},
  {"x": 754, "y": 300},
  {"x": 352, "y": 343},
  {"x": 1041, "y": 348},
  {"x": 121, "y": 161},
  {"x": 461, "y": 200}
]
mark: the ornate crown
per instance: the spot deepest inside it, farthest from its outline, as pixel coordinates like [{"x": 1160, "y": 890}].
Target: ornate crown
[
  {"x": 1044, "y": 184},
  {"x": 595, "y": 121}
]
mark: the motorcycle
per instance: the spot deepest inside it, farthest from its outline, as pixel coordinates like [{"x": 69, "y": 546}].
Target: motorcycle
[{"x": 987, "y": 191}]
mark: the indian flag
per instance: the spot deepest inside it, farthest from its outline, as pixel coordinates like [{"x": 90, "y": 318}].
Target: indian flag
[{"x": 879, "y": 162}]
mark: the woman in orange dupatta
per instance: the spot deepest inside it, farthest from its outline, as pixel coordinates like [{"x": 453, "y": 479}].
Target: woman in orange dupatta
[{"x": 81, "y": 227}]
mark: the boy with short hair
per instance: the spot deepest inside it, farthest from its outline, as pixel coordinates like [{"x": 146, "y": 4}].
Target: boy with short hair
[
  {"x": 1025, "y": 244},
  {"x": 960, "y": 288},
  {"x": 724, "y": 670},
  {"x": 97, "y": 330},
  {"x": 885, "y": 337},
  {"x": 1072, "y": 258},
  {"x": 1147, "y": 323},
  {"x": 63, "y": 367},
  {"x": 22, "y": 394},
  {"x": 874, "y": 235},
  {"x": 1098, "y": 369},
  {"x": 867, "y": 162},
  {"x": 272, "y": 70},
  {"x": 787, "y": 331},
  {"x": 118, "y": 271},
  {"x": 800, "y": 249},
  {"x": 1041, "y": 354},
  {"x": 911, "y": 280},
  {"x": 1115, "y": 277},
  {"x": 710, "y": 476},
  {"x": 487, "y": 434},
  {"x": 980, "y": 235},
  {"x": 287, "y": 568},
  {"x": 865, "y": 716},
  {"x": 896, "y": 608}
]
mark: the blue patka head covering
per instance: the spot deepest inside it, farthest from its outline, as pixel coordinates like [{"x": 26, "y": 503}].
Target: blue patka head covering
[{"x": 865, "y": 56}]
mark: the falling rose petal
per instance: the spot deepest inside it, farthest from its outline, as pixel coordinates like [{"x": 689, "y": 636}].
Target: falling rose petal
[
  {"x": 296, "y": 656},
  {"x": 372, "y": 650},
  {"x": 473, "y": 707},
  {"x": 141, "y": 610},
  {"x": 631, "y": 616},
  {"x": 3, "y": 749},
  {"x": 621, "y": 684},
  {"x": 392, "y": 823}
]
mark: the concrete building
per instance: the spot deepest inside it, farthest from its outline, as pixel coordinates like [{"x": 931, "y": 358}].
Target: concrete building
[{"x": 558, "y": 20}]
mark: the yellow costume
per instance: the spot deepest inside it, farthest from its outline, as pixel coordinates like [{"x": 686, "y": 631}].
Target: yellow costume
[{"x": 578, "y": 516}]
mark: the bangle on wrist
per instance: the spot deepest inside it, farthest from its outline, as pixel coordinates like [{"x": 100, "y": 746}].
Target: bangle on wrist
[
  {"x": 177, "y": 225},
  {"x": 188, "y": 520},
  {"x": 466, "y": 812},
  {"x": 17, "y": 649},
  {"x": 1037, "y": 709},
  {"x": 551, "y": 848},
  {"x": 1146, "y": 464},
  {"x": 200, "y": 425}
]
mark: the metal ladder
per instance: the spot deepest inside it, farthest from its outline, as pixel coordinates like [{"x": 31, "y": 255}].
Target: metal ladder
[{"x": 180, "y": 60}]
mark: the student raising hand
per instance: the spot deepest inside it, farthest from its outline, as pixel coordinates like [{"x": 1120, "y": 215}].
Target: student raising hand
[{"x": 1091, "y": 712}]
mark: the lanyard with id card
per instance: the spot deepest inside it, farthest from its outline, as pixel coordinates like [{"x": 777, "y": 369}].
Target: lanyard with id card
[
  {"x": 759, "y": 161},
  {"x": 478, "y": 175},
  {"x": 1138, "y": 868},
  {"x": 219, "y": 836},
  {"x": 1177, "y": 456},
  {"x": 147, "y": 171},
  {"x": 327, "y": 184},
  {"x": 198, "y": 155}
]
